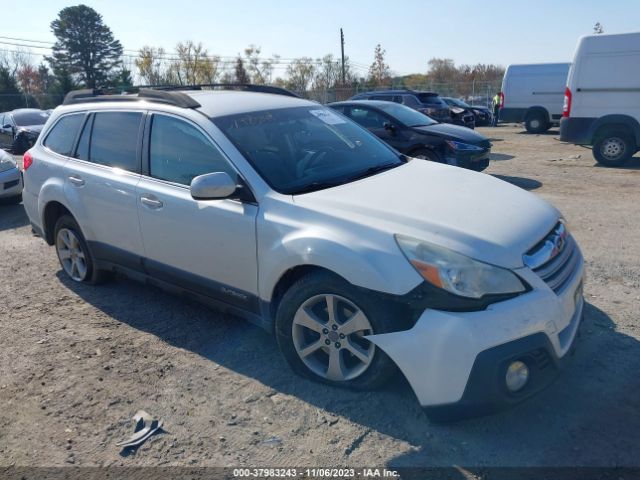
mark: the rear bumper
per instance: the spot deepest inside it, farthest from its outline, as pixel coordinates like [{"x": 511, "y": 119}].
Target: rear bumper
[
  {"x": 10, "y": 183},
  {"x": 577, "y": 130},
  {"x": 454, "y": 361}
]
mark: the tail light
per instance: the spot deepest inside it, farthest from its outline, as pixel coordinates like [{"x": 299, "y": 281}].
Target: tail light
[
  {"x": 27, "y": 161},
  {"x": 501, "y": 99},
  {"x": 566, "y": 106}
]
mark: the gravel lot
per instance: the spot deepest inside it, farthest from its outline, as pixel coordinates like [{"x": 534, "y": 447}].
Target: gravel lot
[{"x": 76, "y": 362}]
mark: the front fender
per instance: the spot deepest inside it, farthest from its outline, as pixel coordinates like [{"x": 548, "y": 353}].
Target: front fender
[{"x": 361, "y": 262}]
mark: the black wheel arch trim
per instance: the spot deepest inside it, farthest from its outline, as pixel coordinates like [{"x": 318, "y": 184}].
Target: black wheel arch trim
[{"x": 615, "y": 119}]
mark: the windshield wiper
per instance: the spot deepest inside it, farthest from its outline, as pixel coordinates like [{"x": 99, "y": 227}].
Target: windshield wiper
[
  {"x": 373, "y": 170},
  {"x": 313, "y": 186}
]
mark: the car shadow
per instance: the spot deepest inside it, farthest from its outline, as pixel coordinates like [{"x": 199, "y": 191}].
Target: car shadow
[
  {"x": 12, "y": 215},
  {"x": 632, "y": 164},
  {"x": 500, "y": 156},
  {"x": 522, "y": 182},
  {"x": 548, "y": 132},
  {"x": 592, "y": 415}
]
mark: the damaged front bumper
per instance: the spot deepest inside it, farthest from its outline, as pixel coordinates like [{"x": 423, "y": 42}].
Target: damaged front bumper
[{"x": 455, "y": 361}]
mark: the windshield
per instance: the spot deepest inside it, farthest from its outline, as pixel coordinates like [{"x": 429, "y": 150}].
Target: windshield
[
  {"x": 30, "y": 118},
  {"x": 406, "y": 115},
  {"x": 431, "y": 99},
  {"x": 302, "y": 149}
]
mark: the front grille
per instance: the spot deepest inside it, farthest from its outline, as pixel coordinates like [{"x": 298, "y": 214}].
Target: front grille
[{"x": 555, "y": 258}]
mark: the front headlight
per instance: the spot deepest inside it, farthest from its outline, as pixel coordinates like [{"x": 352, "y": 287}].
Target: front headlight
[
  {"x": 457, "y": 273},
  {"x": 6, "y": 163},
  {"x": 463, "y": 147}
]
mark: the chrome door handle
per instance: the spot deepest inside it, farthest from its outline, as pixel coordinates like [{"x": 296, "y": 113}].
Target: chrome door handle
[
  {"x": 151, "y": 202},
  {"x": 77, "y": 181}
]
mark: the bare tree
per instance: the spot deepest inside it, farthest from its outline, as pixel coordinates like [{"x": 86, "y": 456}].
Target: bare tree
[
  {"x": 379, "y": 71},
  {"x": 152, "y": 65},
  {"x": 193, "y": 64},
  {"x": 260, "y": 70},
  {"x": 300, "y": 73}
]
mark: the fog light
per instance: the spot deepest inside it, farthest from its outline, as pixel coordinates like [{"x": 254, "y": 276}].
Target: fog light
[{"x": 517, "y": 376}]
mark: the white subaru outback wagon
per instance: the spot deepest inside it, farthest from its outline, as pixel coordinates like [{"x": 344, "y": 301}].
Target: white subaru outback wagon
[{"x": 360, "y": 261}]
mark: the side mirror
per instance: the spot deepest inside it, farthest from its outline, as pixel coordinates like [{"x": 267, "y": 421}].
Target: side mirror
[{"x": 212, "y": 186}]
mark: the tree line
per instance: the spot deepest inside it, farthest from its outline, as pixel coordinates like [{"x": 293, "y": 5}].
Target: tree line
[{"x": 86, "y": 55}]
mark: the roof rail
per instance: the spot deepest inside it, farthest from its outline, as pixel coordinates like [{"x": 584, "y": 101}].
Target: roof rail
[
  {"x": 178, "y": 99},
  {"x": 247, "y": 87}
]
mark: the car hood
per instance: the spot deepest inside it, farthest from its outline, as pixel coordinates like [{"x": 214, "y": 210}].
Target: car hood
[
  {"x": 453, "y": 132},
  {"x": 471, "y": 213},
  {"x": 30, "y": 128}
]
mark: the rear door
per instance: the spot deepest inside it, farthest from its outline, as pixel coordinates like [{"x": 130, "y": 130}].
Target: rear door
[
  {"x": 207, "y": 246},
  {"x": 100, "y": 185}
]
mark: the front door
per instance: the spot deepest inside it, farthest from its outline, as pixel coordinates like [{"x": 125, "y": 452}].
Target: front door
[
  {"x": 207, "y": 246},
  {"x": 377, "y": 123}
]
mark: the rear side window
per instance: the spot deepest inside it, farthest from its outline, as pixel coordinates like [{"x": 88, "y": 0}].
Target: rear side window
[
  {"x": 63, "y": 134},
  {"x": 431, "y": 99},
  {"x": 384, "y": 98},
  {"x": 410, "y": 101},
  {"x": 114, "y": 139},
  {"x": 179, "y": 152}
]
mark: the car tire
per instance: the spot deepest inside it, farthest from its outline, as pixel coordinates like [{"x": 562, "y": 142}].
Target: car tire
[
  {"x": 73, "y": 252},
  {"x": 614, "y": 149},
  {"x": 426, "y": 154},
  {"x": 320, "y": 347},
  {"x": 19, "y": 146},
  {"x": 479, "y": 166},
  {"x": 536, "y": 122}
]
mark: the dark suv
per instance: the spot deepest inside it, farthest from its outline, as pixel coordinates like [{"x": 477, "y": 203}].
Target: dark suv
[
  {"x": 428, "y": 103},
  {"x": 20, "y": 128}
]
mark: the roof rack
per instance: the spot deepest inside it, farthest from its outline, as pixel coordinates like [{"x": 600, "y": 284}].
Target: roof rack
[
  {"x": 168, "y": 94},
  {"x": 178, "y": 99},
  {"x": 246, "y": 87}
]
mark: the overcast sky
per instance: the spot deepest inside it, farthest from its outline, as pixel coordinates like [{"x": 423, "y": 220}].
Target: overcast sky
[{"x": 411, "y": 31}]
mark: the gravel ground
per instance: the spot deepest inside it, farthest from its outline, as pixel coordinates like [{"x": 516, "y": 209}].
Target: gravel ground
[{"x": 76, "y": 362}]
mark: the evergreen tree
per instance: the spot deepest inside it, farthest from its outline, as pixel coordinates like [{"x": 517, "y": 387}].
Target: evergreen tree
[{"x": 85, "y": 47}]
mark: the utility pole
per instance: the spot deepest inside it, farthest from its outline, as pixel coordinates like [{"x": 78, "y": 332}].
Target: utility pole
[{"x": 342, "y": 49}]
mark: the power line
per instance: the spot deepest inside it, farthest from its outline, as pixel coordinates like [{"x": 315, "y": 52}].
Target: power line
[{"x": 225, "y": 60}]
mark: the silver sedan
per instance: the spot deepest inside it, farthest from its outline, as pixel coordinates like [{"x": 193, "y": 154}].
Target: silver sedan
[{"x": 10, "y": 179}]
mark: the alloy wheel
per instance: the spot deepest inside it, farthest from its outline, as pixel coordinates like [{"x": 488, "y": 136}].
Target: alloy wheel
[
  {"x": 72, "y": 256},
  {"x": 328, "y": 334}
]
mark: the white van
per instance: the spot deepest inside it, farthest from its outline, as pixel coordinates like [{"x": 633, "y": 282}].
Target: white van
[
  {"x": 533, "y": 94},
  {"x": 602, "y": 98}
]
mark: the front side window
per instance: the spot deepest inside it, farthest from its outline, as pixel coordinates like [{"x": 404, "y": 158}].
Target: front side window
[
  {"x": 406, "y": 115},
  {"x": 114, "y": 139},
  {"x": 302, "y": 149},
  {"x": 368, "y": 118},
  {"x": 179, "y": 152},
  {"x": 63, "y": 134}
]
